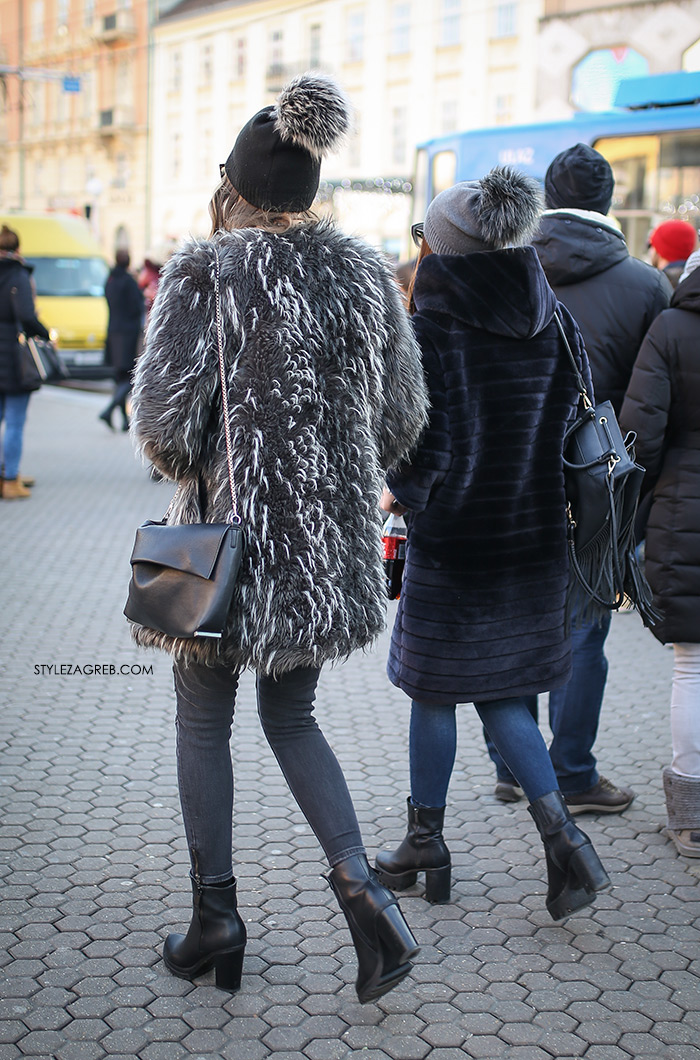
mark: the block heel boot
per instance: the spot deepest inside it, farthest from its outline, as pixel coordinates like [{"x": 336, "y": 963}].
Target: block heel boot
[
  {"x": 215, "y": 939},
  {"x": 383, "y": 940},
  {"x": 574, "y": 870},
  {"x": 422, "y": 850}
]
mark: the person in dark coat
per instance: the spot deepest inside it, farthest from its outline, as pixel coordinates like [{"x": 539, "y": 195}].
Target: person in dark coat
[
  {"x": 16, "y": 307},
  {"x": 614, "y": 298},
  {"x": 481, "y": 616},
  {"x": 662, "y": 406},
  {"x": 124, "y": 332}
]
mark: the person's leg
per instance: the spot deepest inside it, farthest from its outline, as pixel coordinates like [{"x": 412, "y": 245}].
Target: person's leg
[
  {"x": 285, "y": 706},
  {"x": 433, "y": 746},
  {"x": 574, "y": 871},
  {"x": 206, "y": 699},
  {"x": 15, "y": 418},
  {"x": 574, "y": 710},
  {"x": 432, "y": 750},
  {"x": 516, "y": 735},
  {"x": 685, "y": 710},
  {"x": 507, "y": 789},
  {"x": 383, "y": 941}
]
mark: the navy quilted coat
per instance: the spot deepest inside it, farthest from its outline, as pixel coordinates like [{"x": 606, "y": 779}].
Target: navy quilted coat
[{"x": 481, "y": 614}]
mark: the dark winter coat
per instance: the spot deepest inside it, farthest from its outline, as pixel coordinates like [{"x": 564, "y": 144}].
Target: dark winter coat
[
  {"x": 326, "y": 391},
  {"x": 15, "y": 273},
  {"x": 663, "y": 406},
  {"x": 481, "y": 613},
  {"x": 612, "y": 296},
  {"x": 126, "y": 316}
]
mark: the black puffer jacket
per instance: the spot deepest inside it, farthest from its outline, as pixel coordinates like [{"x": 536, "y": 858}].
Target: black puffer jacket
[
  {"x": 612, "y": 296},
  {"x": 663, "y": 406},
  {"x": 14, "y": 274}
]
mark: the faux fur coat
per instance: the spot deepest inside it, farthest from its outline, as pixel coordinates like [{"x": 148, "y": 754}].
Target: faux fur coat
[
  {"x": 326, "y": 391},
  {"x": 482, "y": 608}
]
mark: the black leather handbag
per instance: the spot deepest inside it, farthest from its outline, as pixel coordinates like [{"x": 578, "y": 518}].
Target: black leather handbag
[
  {"x": 602, "y": 481},
  {"x": 183, "y": 576}
]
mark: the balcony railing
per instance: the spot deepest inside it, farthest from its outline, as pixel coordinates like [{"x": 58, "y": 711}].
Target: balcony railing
[{"x": 118, "y": 26}]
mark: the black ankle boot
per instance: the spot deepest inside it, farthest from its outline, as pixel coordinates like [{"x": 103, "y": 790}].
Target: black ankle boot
[
  {"x": 382, "y": 939},
  {"x": 216, "y": 938},
  {"x": 423, "y": 850},
  {"x": 574, "y": 870}
]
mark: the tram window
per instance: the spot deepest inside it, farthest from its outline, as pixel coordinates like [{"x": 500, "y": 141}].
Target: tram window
[{"x": 444, "y": 171}]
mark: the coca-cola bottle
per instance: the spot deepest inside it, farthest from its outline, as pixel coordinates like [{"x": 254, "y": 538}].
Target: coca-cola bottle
[{"x": 394, "y": 543}]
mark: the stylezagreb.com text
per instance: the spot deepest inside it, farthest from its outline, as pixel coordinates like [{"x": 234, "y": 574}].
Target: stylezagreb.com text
[{"x": 91, "y": 669}]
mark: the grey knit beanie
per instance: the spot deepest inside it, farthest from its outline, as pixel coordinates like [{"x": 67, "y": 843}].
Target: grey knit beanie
[{"x": 501, "y": 210}]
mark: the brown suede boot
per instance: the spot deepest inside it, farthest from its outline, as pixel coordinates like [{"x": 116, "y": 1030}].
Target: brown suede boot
[{"x": 13, "y": 490}]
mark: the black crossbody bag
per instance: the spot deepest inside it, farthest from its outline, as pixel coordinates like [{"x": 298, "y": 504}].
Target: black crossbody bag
[{"x": 602, "y": 482}]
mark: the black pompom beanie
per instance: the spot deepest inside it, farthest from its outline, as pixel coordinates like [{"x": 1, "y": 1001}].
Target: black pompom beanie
[
  {"x": 275, "y": 163},
  {"x": 581, "y": 179}
]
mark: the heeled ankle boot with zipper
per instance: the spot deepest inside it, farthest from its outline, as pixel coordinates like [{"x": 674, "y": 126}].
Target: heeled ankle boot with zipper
[
  {"x": 382, "y": 938},
  {"x": 216, "y": 938},
  {"x": 423, "y": 850},
  {"x": 574, "y": 870}
]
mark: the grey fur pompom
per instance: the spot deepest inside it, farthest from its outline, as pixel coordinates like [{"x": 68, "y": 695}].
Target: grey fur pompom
[
  {"x": 313, "y": 113},
  {"x": 509, "y": 207}
]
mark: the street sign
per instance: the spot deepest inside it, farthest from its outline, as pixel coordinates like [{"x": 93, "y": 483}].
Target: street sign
[{"x": 71, "y": 84}]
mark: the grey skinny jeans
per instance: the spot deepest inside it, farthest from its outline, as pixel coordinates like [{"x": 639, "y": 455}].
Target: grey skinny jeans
[{"x": 206, "y": 699}]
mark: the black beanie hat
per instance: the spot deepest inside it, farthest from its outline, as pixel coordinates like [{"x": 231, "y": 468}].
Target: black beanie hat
[
  {"x": 275, "y": 163},
  {"x": 579, "y": 178}
]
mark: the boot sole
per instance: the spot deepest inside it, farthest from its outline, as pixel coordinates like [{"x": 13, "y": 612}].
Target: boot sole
[
  {"x": 227, "y": 965},
  {"x": 596, "y": 807},
  {"x": 684, "y": 849},
  {"x": 585, "y": 878},
  {"x": 438, "y": 882}
]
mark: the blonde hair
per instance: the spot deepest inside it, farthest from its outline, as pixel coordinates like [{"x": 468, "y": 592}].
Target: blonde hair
[
  {"x": 422, "y": 253},
  {"x": 229, "y": 210}
]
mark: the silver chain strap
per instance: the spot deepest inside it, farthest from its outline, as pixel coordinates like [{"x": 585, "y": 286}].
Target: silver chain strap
[{"x": 234, "y": 517}]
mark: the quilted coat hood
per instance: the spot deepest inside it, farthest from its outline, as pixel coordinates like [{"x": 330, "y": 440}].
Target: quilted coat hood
[
  {"x": 470, "y": 289},
  {"x": 687, "y": 294},
  {"x": 573, "y": 247}
]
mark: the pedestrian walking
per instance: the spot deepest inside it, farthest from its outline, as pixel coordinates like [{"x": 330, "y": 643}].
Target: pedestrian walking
[
  {"x": 16, "y": 311},
  {"x": 662, "y": 406},
  {"x": 481, "y": 617},
  {"x": 614, "y": 298},
  {"x": 124, "y": 333},
  {"x": 325, "y": 391}
]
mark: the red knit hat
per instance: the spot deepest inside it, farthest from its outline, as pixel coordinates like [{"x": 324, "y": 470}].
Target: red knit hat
[{"x": 674, "y": 240}]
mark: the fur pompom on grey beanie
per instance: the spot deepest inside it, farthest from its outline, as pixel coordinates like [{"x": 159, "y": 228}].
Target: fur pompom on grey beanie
[
  {"x": 501, "y": 210},
  {"x": 275, "y": 163}
]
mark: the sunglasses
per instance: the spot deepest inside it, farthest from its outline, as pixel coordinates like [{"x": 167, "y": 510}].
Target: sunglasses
[{"x": 417, "y": 233}]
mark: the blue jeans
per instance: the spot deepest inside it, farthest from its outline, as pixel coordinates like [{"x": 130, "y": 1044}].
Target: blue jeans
[
  {"x": 13, "y": 410},
  {"x": 206, "y": 698},
  {"x": 511, "y": 726},
  {"x": 574, "y": 712}
]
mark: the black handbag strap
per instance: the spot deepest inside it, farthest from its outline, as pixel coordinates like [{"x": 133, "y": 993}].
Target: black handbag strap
[
  {"x": 233, "y": 516},
  {"x": 587, "y": 403}
]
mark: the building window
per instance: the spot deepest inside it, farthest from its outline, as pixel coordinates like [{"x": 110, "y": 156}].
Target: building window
[
  {"x": 62, "y": 13},
  {"x": 206, "y": 65},
  {"x": 239, "y": 57},
  {"x": 505, "y": 20},
  {"x": 38, "y": 178},
  {"x": 355, "y": 36},
  {"x": 315, "y": 45},
  {"x": 176, "y": 155},
  {"x": 276, "y": 52},
  {"x": 37, "y": 20},
  {"x": 121, "y": 171},
  {"x": 449, "y": 122},
  {"x": 176, "y": 71},
  {"x": 504, "y": 110},
  {"x": 399, "y": 117},
  {"x": 89, "y": 12},
  {"x": 400, "y": 28},
  {"x": 450, "y": 25}
]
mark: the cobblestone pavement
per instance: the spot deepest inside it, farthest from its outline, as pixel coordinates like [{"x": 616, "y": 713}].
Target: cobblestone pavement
[{"x": 94, "y": 864}]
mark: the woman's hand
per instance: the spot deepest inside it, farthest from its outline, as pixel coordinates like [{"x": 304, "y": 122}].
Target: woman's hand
[{"x": 389, "y": 503}]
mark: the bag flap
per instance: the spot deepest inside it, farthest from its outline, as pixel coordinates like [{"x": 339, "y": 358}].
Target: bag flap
[
  {"x": 189, "y": 547},
  {"x": 593, "y": 438}
]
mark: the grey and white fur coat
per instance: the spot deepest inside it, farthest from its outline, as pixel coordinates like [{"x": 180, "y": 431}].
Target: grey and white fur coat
[{"x": 326, "y": 391}]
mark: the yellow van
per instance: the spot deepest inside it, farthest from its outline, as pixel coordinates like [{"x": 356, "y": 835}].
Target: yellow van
[{"x": 70, "y": 271}]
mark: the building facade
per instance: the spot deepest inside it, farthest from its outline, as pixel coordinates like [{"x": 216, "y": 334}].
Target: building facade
[
  {"x": 413, "y": 69},
  {"x": 75, "y": 82}
]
